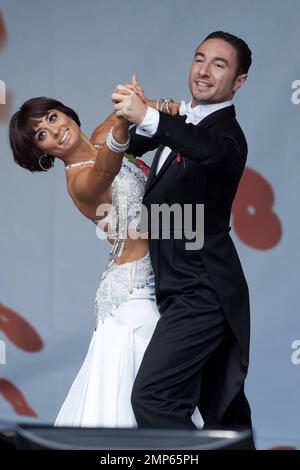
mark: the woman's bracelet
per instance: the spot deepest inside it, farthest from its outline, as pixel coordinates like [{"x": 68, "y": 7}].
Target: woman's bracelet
[
  {"x": 161, "y": 103},
  {"x": 115, "y": 146}
]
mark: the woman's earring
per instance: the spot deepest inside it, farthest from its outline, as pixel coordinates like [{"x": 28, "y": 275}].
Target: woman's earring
[{"x": 41, "y": 164}]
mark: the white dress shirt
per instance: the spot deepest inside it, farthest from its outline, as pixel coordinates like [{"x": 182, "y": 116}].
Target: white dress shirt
[{"x": 149, "y": 125}]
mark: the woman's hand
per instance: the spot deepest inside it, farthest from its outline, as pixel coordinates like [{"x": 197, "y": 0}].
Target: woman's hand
[
  {"x": 174, "y": 108},
  {"x": 138, "y": 89},
  {"x": 133, "y": 86}
]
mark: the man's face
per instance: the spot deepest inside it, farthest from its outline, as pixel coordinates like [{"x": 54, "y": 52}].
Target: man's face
[{"x": 213, "y": 76}]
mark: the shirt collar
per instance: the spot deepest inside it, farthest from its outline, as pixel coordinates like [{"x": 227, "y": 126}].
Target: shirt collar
[{"x": 201, "y": 111}]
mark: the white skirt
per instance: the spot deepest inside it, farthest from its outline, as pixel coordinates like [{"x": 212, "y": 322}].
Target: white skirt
[{"x": 100, "y": 396}]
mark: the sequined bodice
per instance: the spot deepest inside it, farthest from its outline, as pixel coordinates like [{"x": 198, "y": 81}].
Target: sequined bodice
[
  {"x": 119, "y": 280},
  {"x": 127, "y": 194}
]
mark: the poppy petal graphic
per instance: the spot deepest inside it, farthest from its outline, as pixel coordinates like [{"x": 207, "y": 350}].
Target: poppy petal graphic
[
  {"x": 254, "y": 218},
  {"x": 2, "y": 31},
  {"x": 15, "y": 397},
  {"x": 19, "y": 331}
]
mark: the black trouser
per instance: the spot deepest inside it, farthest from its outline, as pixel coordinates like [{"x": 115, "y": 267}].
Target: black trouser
[{"x": 168, "y": 384}]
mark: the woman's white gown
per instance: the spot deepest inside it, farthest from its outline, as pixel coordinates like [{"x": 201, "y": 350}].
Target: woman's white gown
[{"x": 125, "y": 318}]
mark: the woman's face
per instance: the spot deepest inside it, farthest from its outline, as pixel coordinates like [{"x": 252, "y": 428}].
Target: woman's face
[{"x": 56, "y": 134}]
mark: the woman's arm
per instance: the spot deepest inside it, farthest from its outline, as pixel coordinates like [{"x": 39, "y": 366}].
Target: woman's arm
[
  {"x": 166, "y": 106},
  {"x": 99, "y": 134},
  {"x": 90, "y": 183}
]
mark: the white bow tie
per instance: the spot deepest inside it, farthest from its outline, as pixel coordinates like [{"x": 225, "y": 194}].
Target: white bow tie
[
  {"x": 201, "y": 111},
  {"x": 191, "y": 113}
]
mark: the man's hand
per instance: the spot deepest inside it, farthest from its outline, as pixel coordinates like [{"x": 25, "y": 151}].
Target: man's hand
[{"x": 128, "y": 105}]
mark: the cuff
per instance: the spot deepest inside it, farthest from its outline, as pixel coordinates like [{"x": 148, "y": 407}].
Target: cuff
[{"x": 149, "y": 125}]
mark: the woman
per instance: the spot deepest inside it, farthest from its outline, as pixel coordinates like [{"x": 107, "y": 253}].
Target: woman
[{"x": 42, "y": 131}]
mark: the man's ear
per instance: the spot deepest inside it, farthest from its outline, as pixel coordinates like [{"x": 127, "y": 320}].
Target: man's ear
[{"x": 239, "y": 81}]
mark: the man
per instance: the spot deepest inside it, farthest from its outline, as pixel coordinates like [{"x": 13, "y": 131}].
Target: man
[{"x": 199, "y": 352}]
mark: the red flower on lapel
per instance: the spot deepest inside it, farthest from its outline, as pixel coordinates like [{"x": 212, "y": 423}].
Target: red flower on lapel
[{"x": 178, "y": 158}]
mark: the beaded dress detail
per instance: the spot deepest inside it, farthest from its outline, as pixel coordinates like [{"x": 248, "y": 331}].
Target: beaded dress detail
[{"x": 119, "y": 280}]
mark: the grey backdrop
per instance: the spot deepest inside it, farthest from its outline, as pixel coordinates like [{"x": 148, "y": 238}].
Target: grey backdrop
[{"x": 50, "y": 256}]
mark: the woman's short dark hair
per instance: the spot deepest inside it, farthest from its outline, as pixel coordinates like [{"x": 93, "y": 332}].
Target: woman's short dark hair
[
  {"x": 244, "y": 54},
  {"x": 22, "y": 134}
]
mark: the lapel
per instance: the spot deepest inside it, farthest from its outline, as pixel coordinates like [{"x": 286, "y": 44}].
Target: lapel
[
  {"x": 153, "y": 178},
  {"x": 154, "y": 164},
  {"x": 223, "y": 113}
]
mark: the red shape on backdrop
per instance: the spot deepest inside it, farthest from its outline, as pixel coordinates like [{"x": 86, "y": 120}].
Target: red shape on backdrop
[
  {"x": 254, "y": 219},
  {"x": 2, "y": 31},
  {"x": 19, "y": 331},
  {"x": 15, "y": 397}
]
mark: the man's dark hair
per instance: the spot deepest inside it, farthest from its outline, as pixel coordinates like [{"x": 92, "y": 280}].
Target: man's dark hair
[{"x": 244, "y": 54}]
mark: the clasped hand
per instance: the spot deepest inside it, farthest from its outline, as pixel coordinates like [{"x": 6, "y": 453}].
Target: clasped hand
[{"x": 130, "y": 101}]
